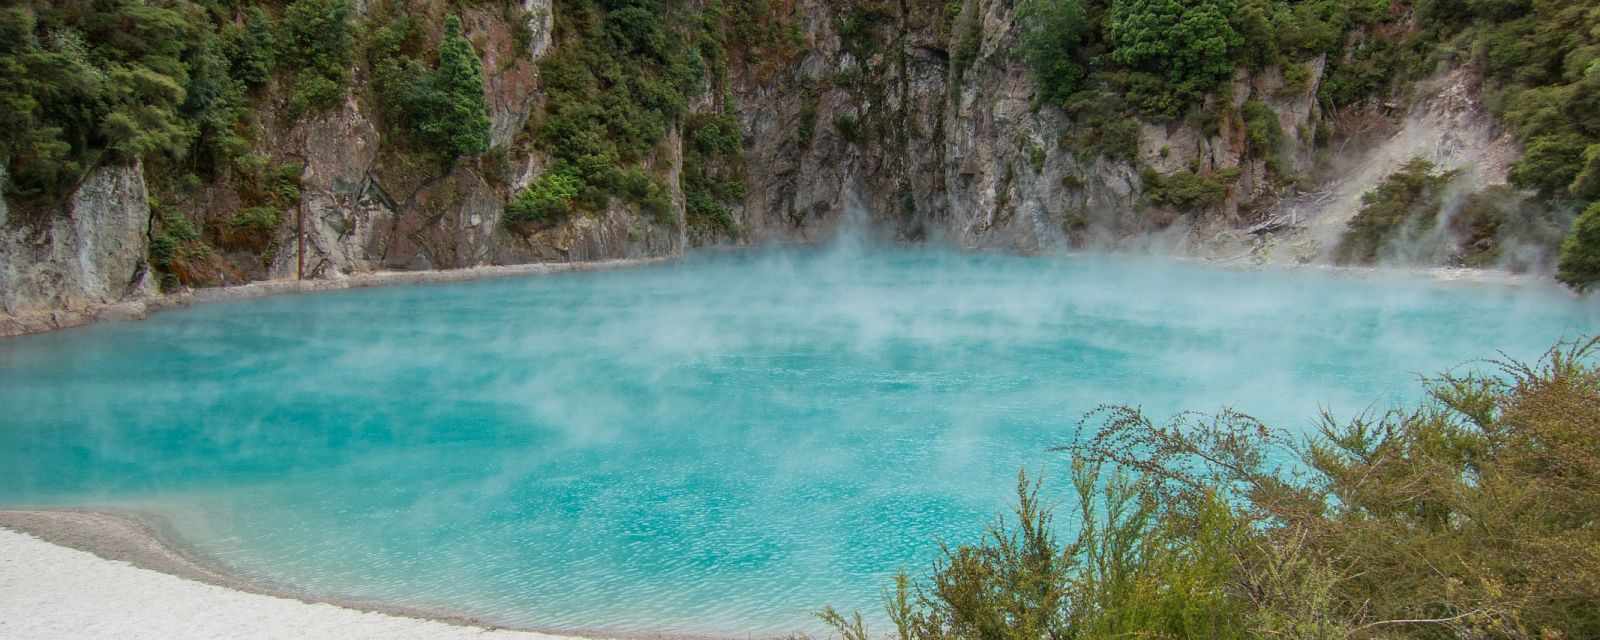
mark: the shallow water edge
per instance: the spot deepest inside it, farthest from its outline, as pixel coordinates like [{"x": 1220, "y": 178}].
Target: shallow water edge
[
  {"x": 147, "y": 540},
  {"x": 44, "y": 322}
]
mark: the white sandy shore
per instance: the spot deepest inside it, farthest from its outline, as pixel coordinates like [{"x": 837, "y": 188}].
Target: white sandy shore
[{"x": 50, "y": 592}]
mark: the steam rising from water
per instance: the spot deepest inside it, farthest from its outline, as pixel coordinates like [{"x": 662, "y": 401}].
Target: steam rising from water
[{"x": 719, "y": 445}]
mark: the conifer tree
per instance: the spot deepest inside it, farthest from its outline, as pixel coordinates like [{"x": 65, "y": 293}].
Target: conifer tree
[{"x": 459, "y": 118}]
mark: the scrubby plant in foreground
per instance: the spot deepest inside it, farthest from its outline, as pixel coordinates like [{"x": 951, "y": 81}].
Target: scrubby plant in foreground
[{"x": 1470, "y": 515}]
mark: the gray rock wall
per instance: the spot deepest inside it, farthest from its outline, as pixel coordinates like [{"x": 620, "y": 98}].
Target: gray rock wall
[
  {"x": 90, "y": 253},
  {"x": 973, "y": 159}
]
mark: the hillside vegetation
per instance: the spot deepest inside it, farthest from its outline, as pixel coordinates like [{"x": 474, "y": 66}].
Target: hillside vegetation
[
  {"x": 1163, "y": 58},
  {"x": 1471, "y": 515},
  {"x": 635, "y": 107},
  {"x": 202, "y": 91}
]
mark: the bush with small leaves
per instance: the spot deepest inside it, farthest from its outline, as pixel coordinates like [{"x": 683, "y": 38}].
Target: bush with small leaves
[
  {"x": 548, "y": 199},
  {"x": 1579, "y": 267}
]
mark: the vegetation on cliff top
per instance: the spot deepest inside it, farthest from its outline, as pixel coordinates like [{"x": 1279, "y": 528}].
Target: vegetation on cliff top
[
  {"x": 186, "y": 86},
  {"x": 617, "y": 84},
  {"x": 1468, "y": 516}
]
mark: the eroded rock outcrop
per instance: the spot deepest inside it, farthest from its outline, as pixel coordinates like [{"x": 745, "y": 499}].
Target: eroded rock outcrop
[{"x": 59, "y": 268}]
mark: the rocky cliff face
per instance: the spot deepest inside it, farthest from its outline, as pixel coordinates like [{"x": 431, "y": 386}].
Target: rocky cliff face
[
  {"x": 54, "y": 265},
  {"x": 365, "y": 206},
  {"x": 968, "y": 155},
  {"x": 961, "y": 150},
  {"x": 873, "y": 120}
]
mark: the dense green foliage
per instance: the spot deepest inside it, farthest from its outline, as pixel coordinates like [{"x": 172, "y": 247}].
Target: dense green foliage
[
  {"x": 93, "y": 82},
  {"x": 1408, "y": 199},
  {"x": 1052, "y": 30},
  {"x": 548, "y": 199},
  {"x": 1580, "y": 253},
  {"x": 442, "y": 109},
  {"x": 1468, "y": 516},
  {"x": 620, "y": 80},
  {"x": 1542, "y": 58},
  {"x": 1262, "y": 130},
  {"x": 712, "y": 174},
  {"x": 1105, "y": 61},
  {"x": 1163, "y": 56},
  {"x": 105, "y": 81},
  {"x": 174, "y": 247},
  {"x": 317, "y": 32},
  {"x": 1188, "y": 43},
  {"x": 1184, "y": 190}
]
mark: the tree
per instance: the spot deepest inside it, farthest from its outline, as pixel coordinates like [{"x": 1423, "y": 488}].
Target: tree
[
  {"x": 444, "y": 108},
  {"x": 1190, "y": 43},
  {"x": 1550, "y": 164},
  {"x": 1052, "y": 32},
  {"x": 318, "y": 32},
  {"x": 1580, "y": 252},
  {"x": 461, "y": 123},
  {"x": 83, "y": 87}
]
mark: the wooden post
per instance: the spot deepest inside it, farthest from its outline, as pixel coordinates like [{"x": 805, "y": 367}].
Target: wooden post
[{"x": 300, "y": 235}]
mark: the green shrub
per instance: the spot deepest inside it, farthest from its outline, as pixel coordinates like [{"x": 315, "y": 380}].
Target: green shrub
[
  {"x": 1550, "y": 164},
  {"x": 1184, "y": 190},
  {"x": 1263, "y": 131},
  {"x": 444, "y": 109},
  {"x": 713, "y": 174},
  {"x": 1586, "y": 185},
  {"x": 318, "y": 34},
  {"x": 1296, "y": 79},
  {"x": 255, "y": 219},
  {"x": 1307, "y": 29},
  {"x": 1102, "y": 125},
  {"x": 1051, "y": 36},
  {"x": 1189, "y": 45},
  {"x": 91, "y": 85},
  {"x": 313, "y": 92},
  {"x": 548, "y": 199},
  {"x": 252, "y": 49},
  {"x": 1252, "y": 20},
  {"x": 1467, "y": 516},
  {"x": 1580, "y": 252},
  {"x": 1369, "y": 72},
  {"x": 618, "y": 80},
  {"x": 1410, "y": 197},
  {"x": 174, "y": 245}
]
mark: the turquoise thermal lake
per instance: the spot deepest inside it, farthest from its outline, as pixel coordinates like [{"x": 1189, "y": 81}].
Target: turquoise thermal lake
[{"x": 720, "y": 445}]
